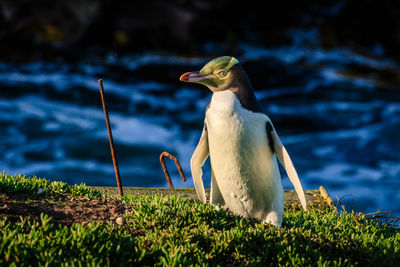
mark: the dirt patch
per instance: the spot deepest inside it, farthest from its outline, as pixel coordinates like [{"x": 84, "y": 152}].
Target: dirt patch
[{"x": 64, "y": 210}]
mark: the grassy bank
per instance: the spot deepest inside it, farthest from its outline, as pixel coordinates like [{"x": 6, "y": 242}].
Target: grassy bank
[{"x": 171, "y": 230}]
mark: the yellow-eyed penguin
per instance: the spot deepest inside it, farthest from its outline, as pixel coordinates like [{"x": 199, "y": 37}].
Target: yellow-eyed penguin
[{"x": 242, "y": 144}]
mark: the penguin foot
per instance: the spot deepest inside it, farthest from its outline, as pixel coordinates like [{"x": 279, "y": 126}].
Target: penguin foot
[{"x": 273, "y": 218}]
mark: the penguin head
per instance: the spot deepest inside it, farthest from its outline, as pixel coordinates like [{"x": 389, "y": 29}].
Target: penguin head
[{"x": 216, "y": 74}]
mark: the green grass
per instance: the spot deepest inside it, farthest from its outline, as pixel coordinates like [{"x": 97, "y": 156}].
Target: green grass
[
  {"x": 173, "y": 231},
  {"x": 35, "y": 186}
]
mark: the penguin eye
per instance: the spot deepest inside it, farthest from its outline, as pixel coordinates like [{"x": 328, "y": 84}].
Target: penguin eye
[{"x": 221, "y": 73}]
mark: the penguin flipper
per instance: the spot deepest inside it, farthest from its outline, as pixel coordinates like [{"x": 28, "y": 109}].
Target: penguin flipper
[
  {"x": 199, "y": 156},
  {"x": 215, "y": 195},
  {"x": 284, "y": 158}
]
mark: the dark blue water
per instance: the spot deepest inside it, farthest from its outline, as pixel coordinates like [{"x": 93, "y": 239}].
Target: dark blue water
[{"x": 337, "y": 112}]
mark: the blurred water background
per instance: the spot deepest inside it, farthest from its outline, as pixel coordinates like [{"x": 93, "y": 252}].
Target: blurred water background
[{"x": 332, "y": 95}]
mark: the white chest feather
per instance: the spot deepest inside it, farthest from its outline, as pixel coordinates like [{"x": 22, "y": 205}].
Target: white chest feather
[{"x": 243, "y": 165}]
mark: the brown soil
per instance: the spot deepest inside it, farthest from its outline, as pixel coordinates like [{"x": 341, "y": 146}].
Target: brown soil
[{"x": 64, "y": 210}]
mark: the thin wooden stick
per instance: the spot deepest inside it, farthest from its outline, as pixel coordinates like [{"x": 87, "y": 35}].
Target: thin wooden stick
[
  {"x": 164, "y": 167},
  {"x": 355, "y": 220},
  {"x": 113, "y": 155}
]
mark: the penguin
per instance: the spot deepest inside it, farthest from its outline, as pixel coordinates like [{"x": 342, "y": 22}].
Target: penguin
[{"x": 243, "y": 147}]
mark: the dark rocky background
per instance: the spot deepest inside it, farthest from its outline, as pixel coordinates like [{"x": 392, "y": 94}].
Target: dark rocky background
[{"x": 70, "y": 29}]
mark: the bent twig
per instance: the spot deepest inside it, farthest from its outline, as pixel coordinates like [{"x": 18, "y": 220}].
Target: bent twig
[{"x": 164, "y": 167}]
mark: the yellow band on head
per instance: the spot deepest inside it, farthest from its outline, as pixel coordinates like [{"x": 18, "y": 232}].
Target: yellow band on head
[{"x": 232, "y": 63}]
